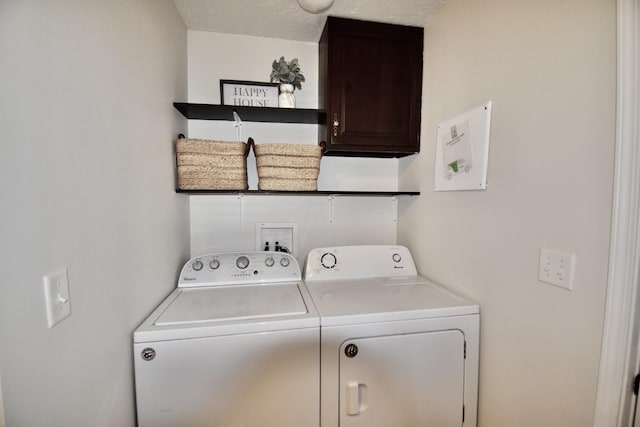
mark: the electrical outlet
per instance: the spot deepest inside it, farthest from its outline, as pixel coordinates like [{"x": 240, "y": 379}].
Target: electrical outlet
[
  {"x": 56, "y": 296},
  {"x": 284, "y": 234},
  {"x": 556, "y": 268}
]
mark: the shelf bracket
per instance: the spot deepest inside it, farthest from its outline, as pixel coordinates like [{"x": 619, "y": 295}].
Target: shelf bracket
[
  {"x": 331, "y": 199},
  {"x": 237, "y": 122},
  {"x": 394, "y": 201},
  {"x": 241, "y": 209}
]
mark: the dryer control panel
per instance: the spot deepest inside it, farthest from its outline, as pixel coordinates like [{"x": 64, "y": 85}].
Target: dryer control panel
[
  {"x": 358, "y": 262},
  {"x": 237, "y": 268}
]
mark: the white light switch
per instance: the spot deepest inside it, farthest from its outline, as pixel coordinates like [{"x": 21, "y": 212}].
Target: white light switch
[
  {"x": 556, "y": 268},
  {"x": 56, "y": 296}
]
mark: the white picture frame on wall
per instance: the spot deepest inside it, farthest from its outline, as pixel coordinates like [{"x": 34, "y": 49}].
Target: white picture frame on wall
[
  {"x": 242, "y": 93},
  {"x": 462, "y": 151}
]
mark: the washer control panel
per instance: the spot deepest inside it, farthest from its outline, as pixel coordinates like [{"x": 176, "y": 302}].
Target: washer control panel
[
  {"x": 240, "y": 267},
  {"x": 358, "y": 262}
]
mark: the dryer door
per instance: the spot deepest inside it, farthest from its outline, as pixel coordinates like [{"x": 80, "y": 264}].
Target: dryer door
[{"x": 403, "y": 380}]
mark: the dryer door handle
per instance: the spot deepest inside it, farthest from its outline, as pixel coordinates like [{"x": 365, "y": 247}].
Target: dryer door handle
[{"x": 356, "y": 397}]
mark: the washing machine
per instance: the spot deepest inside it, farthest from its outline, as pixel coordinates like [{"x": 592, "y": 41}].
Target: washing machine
[
  {"x": 236, "y": 344},
  {"x": 396, "y": 349}
]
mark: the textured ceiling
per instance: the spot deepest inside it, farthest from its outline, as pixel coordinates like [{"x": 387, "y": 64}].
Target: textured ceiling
[{"x": 284, "y": 19}]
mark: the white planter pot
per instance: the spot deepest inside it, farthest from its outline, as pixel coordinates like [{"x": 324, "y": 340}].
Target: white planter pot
[{"x": 286, "y": 99}]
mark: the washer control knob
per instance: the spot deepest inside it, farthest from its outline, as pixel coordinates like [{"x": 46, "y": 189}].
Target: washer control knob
[
  {"x": 284, "y": 261},
  {"x": 396, "y": 257},
  {"x": 197, "y": 265},
  {"x": 242, "y": 262},
  {"x": 214, "y": 264},
  {"x": 269, "y": 261},
  {"x": 328, "y": 260}
]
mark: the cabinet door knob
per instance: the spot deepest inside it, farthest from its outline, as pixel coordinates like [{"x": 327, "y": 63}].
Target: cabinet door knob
[{"x": 336, "y": 124}]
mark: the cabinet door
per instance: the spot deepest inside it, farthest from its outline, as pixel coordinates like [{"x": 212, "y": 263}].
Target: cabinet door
[
  {"x": 372, "y": 77},
  {"x": 403, "y": 380}
]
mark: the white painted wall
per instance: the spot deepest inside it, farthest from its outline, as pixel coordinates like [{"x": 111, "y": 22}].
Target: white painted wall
[
  {"x": 216, "y": 56},
  {"x": 87, "y": 183},
  {"x": 219, "y": 223},
  {"x": 549, "y": 68},
  {"x": 2, "y": 422},
  {"x": 226, "y": 223}
]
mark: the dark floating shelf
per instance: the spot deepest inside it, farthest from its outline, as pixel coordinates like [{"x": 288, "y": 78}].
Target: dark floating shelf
[
  {"x": 250, "y": 114},
  {"x": 269, "y": 115},
  {"x": 303, "y": 193}
]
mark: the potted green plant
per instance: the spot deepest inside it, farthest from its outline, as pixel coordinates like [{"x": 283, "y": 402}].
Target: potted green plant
[{"x": 290, "y": 77}]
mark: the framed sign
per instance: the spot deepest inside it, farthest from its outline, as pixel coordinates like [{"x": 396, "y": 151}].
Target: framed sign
[
  {"x": 462, "y": 151},
  {"x": 248, "y": 94}
]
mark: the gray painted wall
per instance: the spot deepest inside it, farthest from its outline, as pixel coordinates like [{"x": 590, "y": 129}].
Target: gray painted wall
[
  {"x": 86, "y": 182},
  {"x": 550, "y": 69}
]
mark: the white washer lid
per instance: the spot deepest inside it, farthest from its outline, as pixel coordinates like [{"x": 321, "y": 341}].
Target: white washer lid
[
  {"x": 233, "y": 303},
  {"x": 226, "y": 310},
  {"x": 379, "y": 299}
]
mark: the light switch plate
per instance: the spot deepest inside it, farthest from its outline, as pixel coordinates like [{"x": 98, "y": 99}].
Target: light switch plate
[
  {"x": 556, "y": 268},
  {"x": 56, "y": 296}
]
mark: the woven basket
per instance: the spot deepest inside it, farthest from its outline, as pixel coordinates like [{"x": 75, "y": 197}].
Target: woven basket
[
  {"x": 211, "y": 165},
  {"x": 288, "y": 167}
]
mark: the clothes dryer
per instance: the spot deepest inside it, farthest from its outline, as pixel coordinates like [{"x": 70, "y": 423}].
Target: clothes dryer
[
  {"x": 236, "y": 344},
  {"x": 396, "y": 349}
]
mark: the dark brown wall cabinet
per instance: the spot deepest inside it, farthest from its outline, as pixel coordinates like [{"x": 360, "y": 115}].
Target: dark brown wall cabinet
[{"x": 371, "y": 88}]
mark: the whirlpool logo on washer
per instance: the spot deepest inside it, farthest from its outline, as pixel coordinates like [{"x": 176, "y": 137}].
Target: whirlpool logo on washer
[{"x": 189, "y": 279}]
